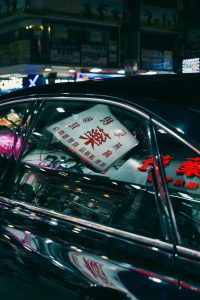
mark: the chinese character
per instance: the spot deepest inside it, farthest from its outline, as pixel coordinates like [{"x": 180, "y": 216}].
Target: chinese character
[
  {"x": 98, "y": 161},
  {"x": 107, "y": 120},
  {"x": 74, "y": 125},
  {"x": 178, "y": 182},
  {"x": 146, "y": 163},
  {"x": 87, "y": 153},
  {"x": 70, "y": 140},
  {"x": 87, "y": 119},
  {"x": 190, "y": 167},
  {"x": 107, "y": 153},
  {"x": 65, "y": 136},
  {"x": 120, "y": 133},
  {"x": 61, "y": 132},
  {"x": 165, "y": 161},
  {"x": 82, "y": 149},
  {"x": 191, "y": 185},
  {"x": 75, "y": 144},
  {"x": 95, "y": 136},
  {"x": 117, "y": 146},
  {"x": 56, "y": 128},
  {"x": 92, "y": 156},
  {"x": 102, "y": 164}
]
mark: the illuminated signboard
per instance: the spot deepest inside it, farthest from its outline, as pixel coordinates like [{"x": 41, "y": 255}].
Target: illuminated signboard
[
  {"x": 11, "y": 83},
  {"x": 190, "y": 65},
  {"x": 95, "y": 135},
  {"x": 33, "y": 80}
]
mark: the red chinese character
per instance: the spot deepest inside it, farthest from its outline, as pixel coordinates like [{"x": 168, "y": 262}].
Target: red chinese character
[
  {"x": 117, "y": 146},
  {"x": 95, "y": 137},
  {"x": 92, "y": 156},
  {"x": 165, "y": 161},
  {"x": 191, "y": 166},
  {"x": 168, "y": 178},
  {"x": 146, "y": 163},
  {"x": 107, "y": 153},
  {"x": 107, "y": 120},
  {"x": 191, "y": 185},
  {"x": 178, "y": 182},
  {"x": 74, "y": 125}
]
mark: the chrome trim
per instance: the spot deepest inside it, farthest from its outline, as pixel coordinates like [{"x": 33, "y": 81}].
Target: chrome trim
[
  {"x": 188, "y": 252},
  {"x": 94, "y": 99},
  {"x": 108, "y": 230},
  {"x": 14, "y": 101},
  {"x": 176, "y": 135}
]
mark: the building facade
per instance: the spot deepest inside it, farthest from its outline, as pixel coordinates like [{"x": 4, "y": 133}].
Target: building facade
[
  {"x": 40, "y": 36},
  {"x": 151, "y": 34}
]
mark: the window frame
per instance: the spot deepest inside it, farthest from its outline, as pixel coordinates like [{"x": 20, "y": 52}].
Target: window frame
[
  {"x": 186, "y": 142},
  {"x": 41, "y": 101}
]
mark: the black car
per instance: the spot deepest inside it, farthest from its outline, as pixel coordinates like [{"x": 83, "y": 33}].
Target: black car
[{"x": 99, "y": 193}]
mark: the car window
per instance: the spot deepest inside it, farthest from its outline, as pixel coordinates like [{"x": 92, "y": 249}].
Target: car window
[
  {"x": 182, "y": 170},
  {"x": 84, "y": 160},
  {"x": 12, "y": 122}
]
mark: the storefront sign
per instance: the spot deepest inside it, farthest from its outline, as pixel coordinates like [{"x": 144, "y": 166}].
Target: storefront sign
[
  {"x": 190, "y": 65},
  {"x": 93, "y": 55},
  {"x": 188, "y": 169},
  {"x": 157, "y": 60},
  {"x": 158, "y": 18},
  {"x": 65, "y": 53},
  {"x": 33, "y": 80},
  {"x": 111, "y": 10},
  {"x": 12, "y": 83},
  {"x": 96, "y": 136}
]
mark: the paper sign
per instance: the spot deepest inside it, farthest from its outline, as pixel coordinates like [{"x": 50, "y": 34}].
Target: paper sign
[{"x": 95, "y": 135}]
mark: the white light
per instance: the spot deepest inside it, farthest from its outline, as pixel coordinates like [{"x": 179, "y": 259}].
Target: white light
[
  {"x": 137, "y": 187},
  {"x": 121, "y": 72},
  {"x": 12, "y": 83},
  {"x": 37, "y": 133},
  {"x": 162, "y": 131},
  {"x": 155, "y": 279},
  {"x": 180, "y": 130},
  {"x": 149, "y": 73},
  {"x": 104, "y": 257},
  {"x": 95, "y": 70},
  {"x": 71, "y": 71},
  {"x": 186, "y": 196},
  {"x": 47, "y": 69},
  {"x": 87, "y": 178},
  {"x": 60, "y": 109}
]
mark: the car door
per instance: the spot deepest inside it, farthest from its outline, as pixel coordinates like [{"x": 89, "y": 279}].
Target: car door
[
  {"x": 183, "y": 180},
  {"x": 82, "y": 215}
]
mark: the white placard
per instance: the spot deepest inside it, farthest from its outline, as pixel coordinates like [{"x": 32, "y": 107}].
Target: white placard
[{"x": 95, "y": 135}]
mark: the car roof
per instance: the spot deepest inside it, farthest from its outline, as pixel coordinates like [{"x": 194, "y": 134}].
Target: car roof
[{"x": 173, "y": 97}]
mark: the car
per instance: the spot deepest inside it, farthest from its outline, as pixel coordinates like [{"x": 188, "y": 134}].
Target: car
[{"x": 99, "y": 192}]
